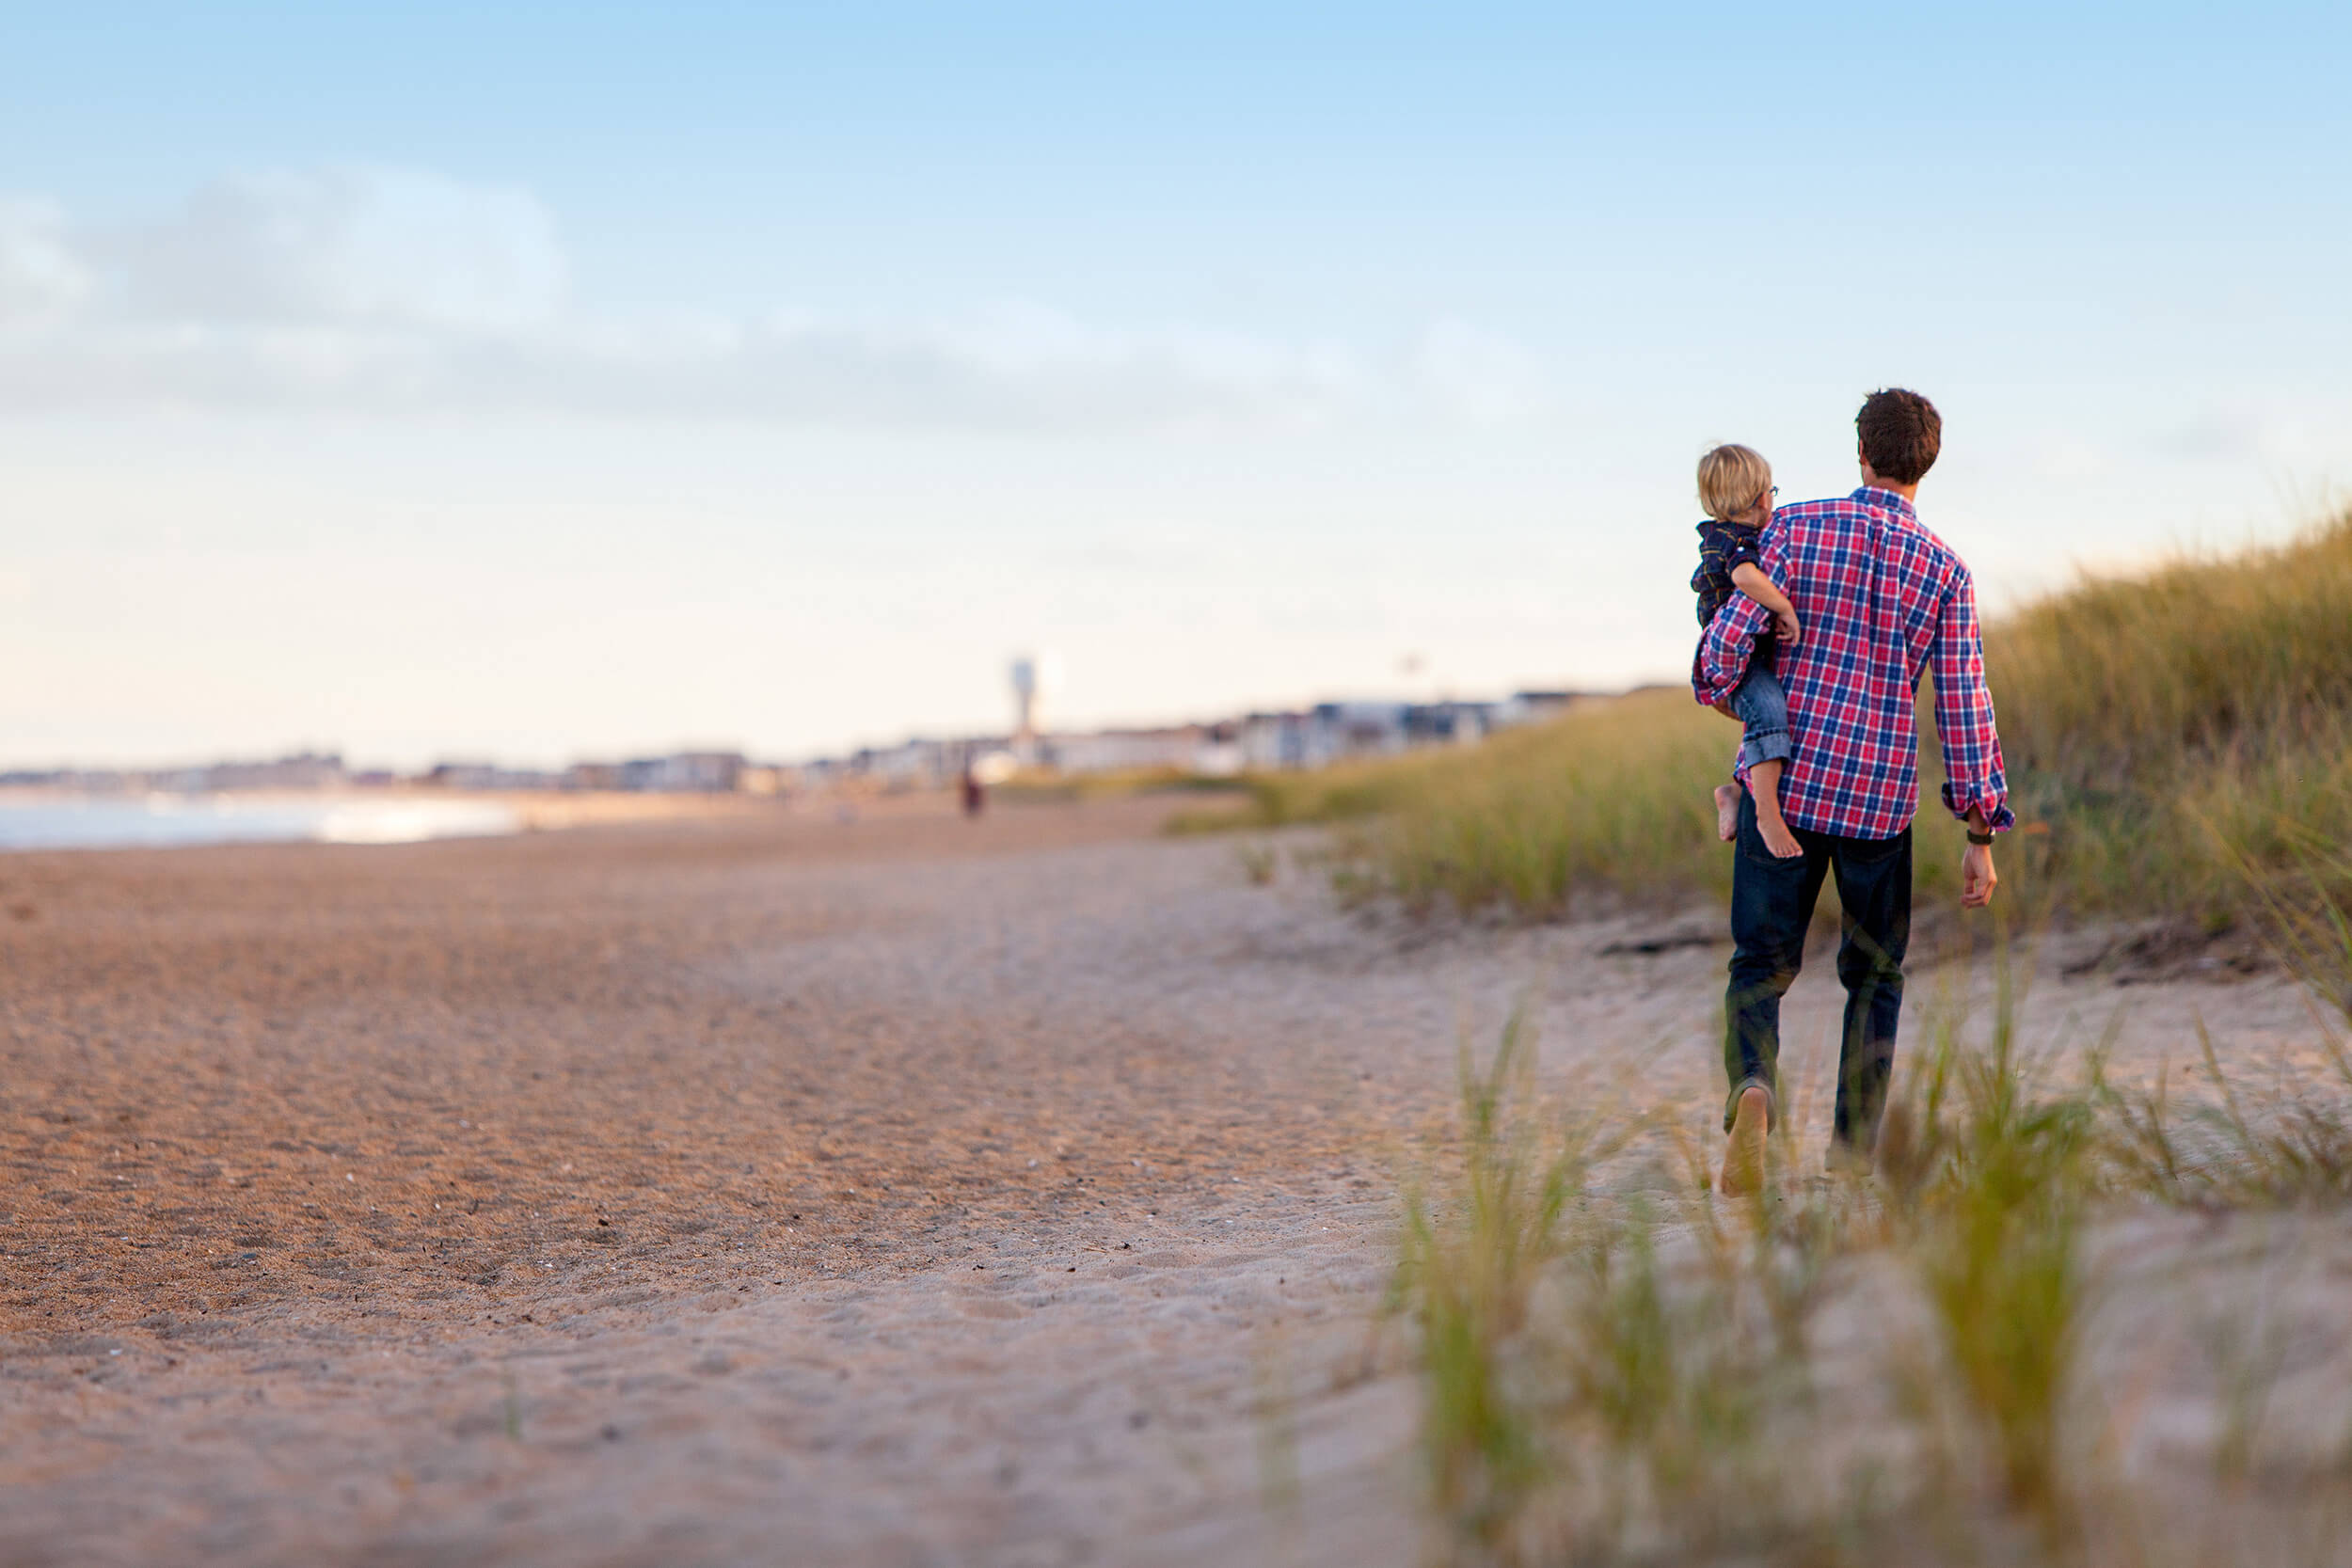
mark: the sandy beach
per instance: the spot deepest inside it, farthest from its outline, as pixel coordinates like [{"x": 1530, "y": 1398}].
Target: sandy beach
[{"x": 774, "y": 1187}]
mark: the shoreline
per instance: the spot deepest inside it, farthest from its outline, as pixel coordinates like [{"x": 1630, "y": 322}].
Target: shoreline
[{"x": 70, "y": 820}]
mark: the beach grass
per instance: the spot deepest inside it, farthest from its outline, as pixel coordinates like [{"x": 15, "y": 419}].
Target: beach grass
[
  {"x": 1618, "y": 1372},
  {"x": 1992, "y": 1177},
  {"x": 2179, "y": 746}
]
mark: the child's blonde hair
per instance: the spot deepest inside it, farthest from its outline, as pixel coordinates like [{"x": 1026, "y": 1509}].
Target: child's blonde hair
[{"x": 1732, "y": 479}]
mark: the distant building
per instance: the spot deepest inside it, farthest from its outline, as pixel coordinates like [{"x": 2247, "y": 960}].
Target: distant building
[
  {"x": 1534, "y": 707},
  {"x": 478, "y": 777},
  {"x": 461, "y": 775},
  {"x": 1448, "y": 723},
  {"x": 1344, "y": 730},
  {"x": 304, "y": 771},
  {"x": 1296, "y": 738},
  {"x": 685, "y": 772},
  {"x": 1127, "y": 751}
]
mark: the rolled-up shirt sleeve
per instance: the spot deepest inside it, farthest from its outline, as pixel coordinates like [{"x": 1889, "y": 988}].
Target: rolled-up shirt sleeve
[{"x": 1973, "y": 775}]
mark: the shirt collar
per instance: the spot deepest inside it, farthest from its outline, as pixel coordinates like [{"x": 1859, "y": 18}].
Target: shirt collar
[{"x": 1887, "y": 500}]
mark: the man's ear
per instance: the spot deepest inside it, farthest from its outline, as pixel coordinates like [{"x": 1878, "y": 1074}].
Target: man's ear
[{"x": 1862, "y": 459}]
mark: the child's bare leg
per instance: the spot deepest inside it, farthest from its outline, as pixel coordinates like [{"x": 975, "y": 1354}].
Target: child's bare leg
[
  {"x": 1764, "y": 783},
  {"x": 1727, "y": 812}
]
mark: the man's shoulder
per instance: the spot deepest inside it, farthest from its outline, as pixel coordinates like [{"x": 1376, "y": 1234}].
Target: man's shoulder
[
  {"x": 1825, "y": 506},
  {"x": 1899, "y": 526},
  {"x": 1832, "y": 541},
  {"x": 1810, "y": 526},
  {"x": 1926, "y": 548},
  {"x": 1830, "y": 512}
]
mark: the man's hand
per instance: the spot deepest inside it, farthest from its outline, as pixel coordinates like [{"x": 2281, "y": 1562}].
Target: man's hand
[
  {"x": 1729, "y": 712},
  {"x": 1977, "y": 876},
  {"x": 1784, "y": 623}
]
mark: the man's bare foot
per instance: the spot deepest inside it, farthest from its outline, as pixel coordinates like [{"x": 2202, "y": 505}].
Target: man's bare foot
[
  {"x": 1743, "y": 1153},
  {"x": 1727, "y": 812},
  {"x": 1773, "y": 829}
]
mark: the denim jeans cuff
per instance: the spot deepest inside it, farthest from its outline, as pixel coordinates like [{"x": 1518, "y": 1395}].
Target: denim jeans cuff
[
  {"x": 1772, "y": 1102},
  {"x": 1772, "y": 746}
]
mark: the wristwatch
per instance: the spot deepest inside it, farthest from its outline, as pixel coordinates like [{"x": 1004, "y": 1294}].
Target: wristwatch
[{"x": 1975, "y": 837}]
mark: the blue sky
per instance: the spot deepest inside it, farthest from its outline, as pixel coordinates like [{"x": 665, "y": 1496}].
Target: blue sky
[{"x": 578, "y": 379}]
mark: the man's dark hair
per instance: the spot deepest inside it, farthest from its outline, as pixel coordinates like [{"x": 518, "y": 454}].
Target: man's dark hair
[{"x": 1902, "y": 432}]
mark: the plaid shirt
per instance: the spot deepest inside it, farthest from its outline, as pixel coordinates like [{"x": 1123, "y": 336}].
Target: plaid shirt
[{"x": 1880, "y": 599}]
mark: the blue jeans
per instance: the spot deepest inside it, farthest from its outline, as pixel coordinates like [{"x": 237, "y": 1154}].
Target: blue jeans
[
  {"x": 1763, "y": 710},
  {"x": 1771, "y": 907}
]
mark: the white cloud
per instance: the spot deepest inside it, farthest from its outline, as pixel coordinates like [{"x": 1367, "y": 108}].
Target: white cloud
[
  {"x": 2272, "y": 430},
  {"x": 40, "y": 276},
  {"x": 349, "y": 244},
  {"x": 373, "y": 290},
  {"x": 850, "y": 375}
]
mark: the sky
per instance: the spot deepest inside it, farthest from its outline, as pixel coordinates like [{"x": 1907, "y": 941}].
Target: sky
[{"x": 541, "y": 381}]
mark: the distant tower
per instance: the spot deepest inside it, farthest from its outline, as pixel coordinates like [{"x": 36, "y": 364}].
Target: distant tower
[
  {"x": 1033, "y": 677},
  {"x": 1025, "y": 699}
]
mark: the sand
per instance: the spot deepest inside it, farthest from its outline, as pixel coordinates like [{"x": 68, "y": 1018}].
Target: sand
[{"x": 773, "y": 1188}]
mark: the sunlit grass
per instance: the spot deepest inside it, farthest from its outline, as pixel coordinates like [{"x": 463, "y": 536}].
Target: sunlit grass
[
  {"x": 2163, "y": 734},
  {"x": 1613, "y": 795}
]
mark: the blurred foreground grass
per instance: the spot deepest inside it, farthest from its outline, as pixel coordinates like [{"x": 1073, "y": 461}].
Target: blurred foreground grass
[
  {"x": 2065, "y": 1322},
  {"x": 2179, "y": 744}
]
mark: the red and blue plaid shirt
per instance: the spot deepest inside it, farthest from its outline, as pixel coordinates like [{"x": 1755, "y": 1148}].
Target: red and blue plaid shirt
[{"x": 1880, "y": 599}]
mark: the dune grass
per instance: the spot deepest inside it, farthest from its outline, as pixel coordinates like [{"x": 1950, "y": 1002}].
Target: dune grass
[
  {"x": 1613, "y": 1372},
  {"x": 2166, "y": 736},
  {"x": 2180, "y": 729},
  {"x": 1611, "y": 796}
]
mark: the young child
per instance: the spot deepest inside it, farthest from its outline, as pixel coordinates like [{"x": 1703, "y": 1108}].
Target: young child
[{"x": 1736, "y": 488}]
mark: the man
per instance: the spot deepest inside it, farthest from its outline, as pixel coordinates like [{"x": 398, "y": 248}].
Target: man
[{"x": 1880, "y": 599}]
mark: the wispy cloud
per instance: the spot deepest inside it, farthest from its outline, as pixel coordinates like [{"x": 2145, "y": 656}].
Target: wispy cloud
[
  {"x": 2272, "y": 430},
  {"x": 387, "y": 290},
  {"x": 41, "y": 276},
  {"x": 347, "y": 245}
]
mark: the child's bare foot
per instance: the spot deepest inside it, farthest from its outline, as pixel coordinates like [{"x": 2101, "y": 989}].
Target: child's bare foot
[
  {"x": 1764, "y": 783},
  {"x": 1726, "y": 812}
]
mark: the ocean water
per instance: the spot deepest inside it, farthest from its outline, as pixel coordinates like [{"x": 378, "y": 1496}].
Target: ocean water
[{"x": 157, "y": 821}]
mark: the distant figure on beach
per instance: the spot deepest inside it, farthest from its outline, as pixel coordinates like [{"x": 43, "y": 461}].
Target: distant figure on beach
[
  {"x": 1881, "y": 600},
  {"x": 1736, "y": 488},
  {"x": 974, "y": 793}
]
